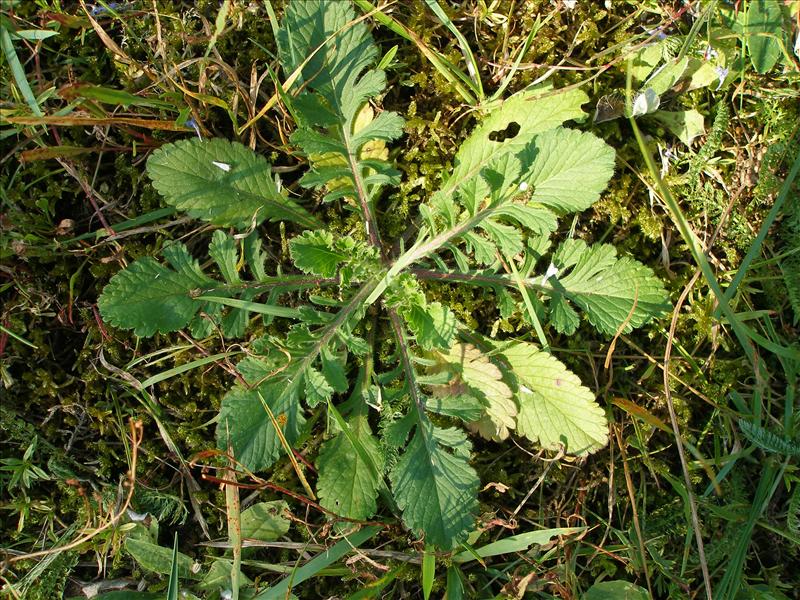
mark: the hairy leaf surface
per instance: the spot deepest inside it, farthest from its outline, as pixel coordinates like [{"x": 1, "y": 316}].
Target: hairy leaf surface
[
  {"x": 478, "y": 376},
  {"x": 245, "y": 425},
  {"x": 435, "y": 486},
  {"x": 555, "y": 409},
  {"x": 149, "y": 297},
  {"x": 519, "y": 118},
  {"x": 222, "y": 182},
  {"x": 615, "y": 292},
  {"x": 569, "y": 169},
  {"x": 346, "y": 485}
]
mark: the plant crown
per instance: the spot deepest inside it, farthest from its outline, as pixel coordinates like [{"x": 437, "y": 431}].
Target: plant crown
[{"x": 366, "y": 345}]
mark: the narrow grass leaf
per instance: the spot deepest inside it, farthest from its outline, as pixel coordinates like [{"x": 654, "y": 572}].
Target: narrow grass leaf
[
  {"x": 18, "y": 72},
  {"x": 323, "y": 560},
  {"x": 516, "y": 543},
  {"x": 428, "y": 571}
]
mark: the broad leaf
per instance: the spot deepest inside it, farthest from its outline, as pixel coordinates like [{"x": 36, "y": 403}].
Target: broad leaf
[
  {"x": 265, "y": 521},
  {"x": 245, "y": 425},
  {"x": 435, "y": 486},
  {"x": 555, "y": 409},
  {"x": 569, "y": 169},
  {"x": 616, "y": 590},
  {"x": 347, "y": 485},
  {"x": 764, "y": 29},
  {"x": 517, "y": 120},
  {"x": 478, "y": 376},
  {"x": 148, "y": 297},
  {"x": 686, "y": 125},
  {"x": 222, "y": 182},
  {"x": 616, "y": 293},
  {"x": 158, "y": 559}
]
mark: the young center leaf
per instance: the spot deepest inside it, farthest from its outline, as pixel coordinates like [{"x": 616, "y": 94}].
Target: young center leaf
[{"x": 555, "y": 409}]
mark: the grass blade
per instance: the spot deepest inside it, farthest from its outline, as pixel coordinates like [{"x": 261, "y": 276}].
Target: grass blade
[
  {"x": 755, "y": 247},
  {"x": 256, "y": 307},
  {"x": 233, "y": 511},
  {"x": 164, "y": 375},
  {"x": 18, "y": 72},
  {"x": 318, "y": 563},
  {"x": 173, "y": 588},
  {"x": 472, "y": 64},
  {"x": 428, "y": 572}
]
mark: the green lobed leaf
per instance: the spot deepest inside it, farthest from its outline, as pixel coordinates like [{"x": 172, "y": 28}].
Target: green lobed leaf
[
  {"x": 224, "y": 252},
  {"x": 314, "y": 252},
  {"x": 613, "y": 291},
  {"x": 348, "y": 47},
  {"x": 245, "y": 424},
  {"x": 317, "y": 387},
  {"x": 555, "y": 409},
  {"x": 433, "y": 324},
  {"x": 149, "y": 297},
  {"x": 435, "y": 487},
  {"x": 465, "y": 407},
  {"x": 768, "y": 440},
  {"x": 347, "y": 486},
  {"x": 568, "y": 169},
  {"x": 477, "y": 375},
  {"x": 222, "y": 182},
  {"x": 533, "y": 112}
]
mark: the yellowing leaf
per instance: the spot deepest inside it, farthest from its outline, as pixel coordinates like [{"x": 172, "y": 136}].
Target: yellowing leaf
[
  {"x": 483, "y": 379},
  {"x": 555, "y": 409}
]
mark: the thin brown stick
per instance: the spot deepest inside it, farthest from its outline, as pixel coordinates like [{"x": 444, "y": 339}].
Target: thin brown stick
[
  {"x": 631, "y": 494},
  {"x": 678, "y": 440}
]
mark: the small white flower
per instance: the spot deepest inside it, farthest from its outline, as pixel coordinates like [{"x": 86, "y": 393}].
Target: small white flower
[
  {"x": 221, "y": 165},
  {"x": 722, "y": 73},
  {"x": 136, "y": 517},
  {"x": 226, "y": 595},
  {"x": 552, "y": 271},
  {"x": 710, "y": 53},
  {"x": 523, "y": 186},
  {"x": 570, "y": 4}
]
